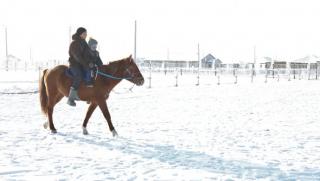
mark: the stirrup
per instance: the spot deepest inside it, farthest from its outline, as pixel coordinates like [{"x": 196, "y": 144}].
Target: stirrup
[{"x": 89, "y": 84}]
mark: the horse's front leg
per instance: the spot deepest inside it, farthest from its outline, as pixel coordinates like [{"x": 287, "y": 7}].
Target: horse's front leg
[
  {"x": 90, "y": 110},
  {"x": 105, "y": 111}
]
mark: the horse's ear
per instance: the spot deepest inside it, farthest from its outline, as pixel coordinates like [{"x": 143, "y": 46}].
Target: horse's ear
[{"x": 130, "y": 57}]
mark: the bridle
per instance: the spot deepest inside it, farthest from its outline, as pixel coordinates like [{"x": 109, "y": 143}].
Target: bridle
[{"x": 111, "y": 76}]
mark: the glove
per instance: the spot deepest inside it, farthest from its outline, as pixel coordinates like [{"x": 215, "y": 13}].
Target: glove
[{"x": 91, "y": 65}]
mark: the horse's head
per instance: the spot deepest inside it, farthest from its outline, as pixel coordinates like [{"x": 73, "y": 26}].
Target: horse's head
[{"x": 132, "y": 71}]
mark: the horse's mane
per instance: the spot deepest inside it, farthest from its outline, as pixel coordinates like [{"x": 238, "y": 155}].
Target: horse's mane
[
  {"x": 117, "y": 62},
  {"x": 113, "y": 64}
]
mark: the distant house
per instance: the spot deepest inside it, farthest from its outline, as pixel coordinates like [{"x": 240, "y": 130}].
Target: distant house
[
  {"x": 14, "y": 62},
  {"x": 210, "y": 61},
  {"x": 269, "y": 63},
  {"x": 301, "y": 63}
]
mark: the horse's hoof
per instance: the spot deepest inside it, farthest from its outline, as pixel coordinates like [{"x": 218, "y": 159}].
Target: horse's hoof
[
  {"x": 53, "y": 131},
  {"x": 45, "y": 125},
  {"x": 85, "y": 131},
  {"x": 71, "y": 103},
  {"x": 114, "y": 133}
]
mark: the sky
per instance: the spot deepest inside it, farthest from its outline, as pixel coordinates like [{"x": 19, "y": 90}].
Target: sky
[{"x": 38, "y": 30}]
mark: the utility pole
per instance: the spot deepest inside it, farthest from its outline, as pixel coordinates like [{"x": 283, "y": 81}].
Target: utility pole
[
  {"x": 254, "y": 63},
  {"x": 254, "y": 57},
  {"x": 199, "y": 56},
  {"x": 199, "y": 64},
  {"x": 70, "y": 36},
  {"x": 7, "y": 56},
  {"x": 135, "y": 40},
  {"x": 30, "y": 53},
  {"x": 31, "y": 59}
]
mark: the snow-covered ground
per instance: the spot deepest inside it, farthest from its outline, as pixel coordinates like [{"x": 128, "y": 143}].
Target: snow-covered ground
[{"x": 241, "y": 131}]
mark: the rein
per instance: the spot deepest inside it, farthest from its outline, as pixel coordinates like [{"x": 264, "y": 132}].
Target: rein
[
  {"x": 111, "y": 76},
  {"x": 106, "y": 75}
]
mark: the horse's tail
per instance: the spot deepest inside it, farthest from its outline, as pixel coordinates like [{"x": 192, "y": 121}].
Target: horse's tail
[{"x": 43, "y": 93}]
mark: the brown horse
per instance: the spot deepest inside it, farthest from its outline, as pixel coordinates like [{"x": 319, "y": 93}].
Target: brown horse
[{"x": 55, "y": 84}]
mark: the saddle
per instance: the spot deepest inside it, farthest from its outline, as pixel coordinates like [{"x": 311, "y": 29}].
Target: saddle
[{"x": 87, "y": 76}]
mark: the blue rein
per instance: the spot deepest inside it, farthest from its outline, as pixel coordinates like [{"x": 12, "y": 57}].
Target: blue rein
[{"x": 112, "y": 77}]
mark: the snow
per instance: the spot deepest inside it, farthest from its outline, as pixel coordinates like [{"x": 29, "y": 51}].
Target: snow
[{"x": 243, "y": 131}]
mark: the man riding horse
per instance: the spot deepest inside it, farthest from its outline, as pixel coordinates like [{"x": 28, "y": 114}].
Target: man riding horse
[
  {"x": 83, "y": 58},
  {"x": 57, "y": 82}
]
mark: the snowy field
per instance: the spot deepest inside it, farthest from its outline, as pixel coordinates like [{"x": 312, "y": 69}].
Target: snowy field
[{"x": 244, "y": 131}]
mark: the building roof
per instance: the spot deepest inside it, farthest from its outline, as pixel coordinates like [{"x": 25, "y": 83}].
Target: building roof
[
  {"x": 307, "y": 59},
  {"x": 210, "y": 58},
  {"x": 13, "y": 58}
]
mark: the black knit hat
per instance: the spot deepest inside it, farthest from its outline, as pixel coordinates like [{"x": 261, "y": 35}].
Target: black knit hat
[{"x": 80, "y": 31}]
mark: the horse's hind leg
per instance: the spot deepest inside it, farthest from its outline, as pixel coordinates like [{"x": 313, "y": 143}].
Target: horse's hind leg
[
  {"x": 50, "y": 120},
  {"x": 52, "y": 101},
  {"x": 90, "y": 110}
]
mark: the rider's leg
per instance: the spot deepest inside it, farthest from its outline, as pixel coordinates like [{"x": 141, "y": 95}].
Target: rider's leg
[{"x": 77, "y": 76}]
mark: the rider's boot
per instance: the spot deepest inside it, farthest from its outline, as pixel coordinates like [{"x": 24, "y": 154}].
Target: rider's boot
[{"x": 73, "y": 95}]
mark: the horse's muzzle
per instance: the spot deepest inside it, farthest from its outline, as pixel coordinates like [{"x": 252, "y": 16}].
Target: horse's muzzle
[{"x": 139, "y": 81}]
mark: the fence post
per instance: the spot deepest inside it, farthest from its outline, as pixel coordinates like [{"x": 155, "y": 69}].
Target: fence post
[
  {"x": 317, "y": 71},
  {"x": 300, "y": 74},
  {"x": 236, "y": 81},
  {"x": 253, "y": 73},
  {"x": 215, "y": 71},
  {"x": 273, "y": 71},
  {"x": 289, "y": 78},
  {"x": 266, "y": 76},
  {"x": 39, "y": 71},
  {"x": 235, "y": 75},
  {"x": 149, "y": 76},
  {"x": 309, "y": 70},
  {"x": 198, "y": 77},
  {"x": 177, "y": 73}
]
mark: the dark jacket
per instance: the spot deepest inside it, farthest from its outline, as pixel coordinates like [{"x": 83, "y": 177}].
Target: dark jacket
[
  {"x": 79, "y": 52},
  {"x": 96, "y": 58}
]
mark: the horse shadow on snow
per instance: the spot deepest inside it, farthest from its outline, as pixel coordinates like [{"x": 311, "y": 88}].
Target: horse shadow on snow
[{"x": 186, "y": 159}]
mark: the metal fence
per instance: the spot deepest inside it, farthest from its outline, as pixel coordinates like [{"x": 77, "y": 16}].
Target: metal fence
[
  {"x": 179, "y": 76},
  {"x": 231, "y": 74}
]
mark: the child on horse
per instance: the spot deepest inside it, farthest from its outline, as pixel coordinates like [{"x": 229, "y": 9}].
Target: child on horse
[
  {"x": 93, "y": 44},
  {"x": 81, "y": 61}
]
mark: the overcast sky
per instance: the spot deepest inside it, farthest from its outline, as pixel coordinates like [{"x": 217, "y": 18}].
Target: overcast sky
[{"x": 229, "y": 29}]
